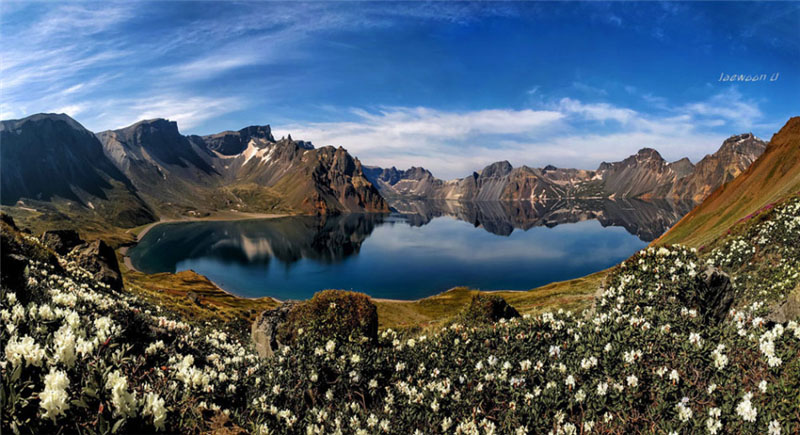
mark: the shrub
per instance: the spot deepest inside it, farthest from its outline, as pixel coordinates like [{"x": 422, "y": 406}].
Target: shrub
[
  {"x": 485, "y": 309},
  {"x": 332, "y": 314}
]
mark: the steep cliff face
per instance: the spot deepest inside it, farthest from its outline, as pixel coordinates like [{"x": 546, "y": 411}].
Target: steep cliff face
[
  {"x": 164, "y": 165},
  {"x": 336, "y": 183},
  {"x": 50, "y": 157},
  {"x": 645, "y": 173}
]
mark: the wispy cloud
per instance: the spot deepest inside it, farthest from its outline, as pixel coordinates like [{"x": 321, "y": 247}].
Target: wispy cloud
[{"x": 728, "y": 106}]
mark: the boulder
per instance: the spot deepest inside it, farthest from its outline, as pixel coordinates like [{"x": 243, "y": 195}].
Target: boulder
[
  {"x": 713, "y": 295},
  {"x": 61, "y": 241},
  {"x": 485, "y": 309},
  {"x": 101, "y": 261},
  {"x": 786, "y": 310},
  {"x": 264, "y": 330}
]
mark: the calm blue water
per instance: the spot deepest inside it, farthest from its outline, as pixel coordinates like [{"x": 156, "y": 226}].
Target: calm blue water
[{"x": 383, "y": 256}]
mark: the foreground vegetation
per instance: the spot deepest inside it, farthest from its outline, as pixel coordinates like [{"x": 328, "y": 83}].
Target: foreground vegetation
[{"x": 652, "y": 355}]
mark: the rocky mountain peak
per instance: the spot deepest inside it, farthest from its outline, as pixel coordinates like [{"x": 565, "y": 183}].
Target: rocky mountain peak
[
  {"x": 745, "y": 143},
  {"x": 230, "y": 143},
  {"x": 497, "y": 169},
  {"x": 154, "y": 126},
  {"x": 258, "y": 131},
  {"x": 648, "y": 154}
]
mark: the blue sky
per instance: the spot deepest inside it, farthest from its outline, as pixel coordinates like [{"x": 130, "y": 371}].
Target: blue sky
[{"x": 448, "y": 86}]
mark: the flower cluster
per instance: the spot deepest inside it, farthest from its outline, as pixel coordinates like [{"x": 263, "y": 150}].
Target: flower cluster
[{"x": 76, "y": 354}]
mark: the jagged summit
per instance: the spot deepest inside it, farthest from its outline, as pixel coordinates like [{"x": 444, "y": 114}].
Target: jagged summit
[
  {"x": 649, "y": 153},
  {"x": 497, "y": 169},
  {"x": 230, "y": 143}
]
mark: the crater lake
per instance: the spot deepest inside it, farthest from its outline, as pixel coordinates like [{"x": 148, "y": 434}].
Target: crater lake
[{"x": 421, "y": 249}]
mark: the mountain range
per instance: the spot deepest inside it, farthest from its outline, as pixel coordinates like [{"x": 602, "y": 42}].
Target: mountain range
[
  {"x": 644, "y": 175},
  {"x": 149, "y": 170},
  {"x": 133, "y": 174}
]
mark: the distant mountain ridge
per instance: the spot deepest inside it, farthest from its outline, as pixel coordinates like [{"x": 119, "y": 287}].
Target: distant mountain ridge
[
  {"x": 147, "y": 170},
  {"x": 644, "y": 175}
]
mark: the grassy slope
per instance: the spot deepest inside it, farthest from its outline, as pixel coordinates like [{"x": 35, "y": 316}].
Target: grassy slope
[
  {"x": 574, "y": 294},
  {"x": 775, "y": 175}
]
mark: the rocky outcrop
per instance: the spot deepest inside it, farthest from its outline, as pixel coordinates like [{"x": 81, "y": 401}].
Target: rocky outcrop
[
  {"x": 264, "y": 330},
  {"x": 61, "y": 241},
  {"x": 100, "y": 260},
  {"x": 15, "y": 253},
  {"x": 230, "y": 143}
]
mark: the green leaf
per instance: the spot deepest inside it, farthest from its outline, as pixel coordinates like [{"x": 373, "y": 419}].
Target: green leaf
[
  {"x": 17, "y": 373},
  {"x": 117, "y": 425},
  {"x": 80, "y": 403}
]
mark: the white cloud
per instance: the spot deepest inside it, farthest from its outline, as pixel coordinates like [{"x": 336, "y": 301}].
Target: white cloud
[{"x": 571, "y": 133}]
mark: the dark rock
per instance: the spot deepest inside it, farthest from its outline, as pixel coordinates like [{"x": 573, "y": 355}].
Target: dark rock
[
  {"x": 15, "y": 253},
  {"x": 486, "y": 309},
  {"x": 12, "y": 271},
  {"x": 264, "y": 330},
  {"x": 9, "y": 221},
  {"x": 713, "y": 295},
  {"x": 100, "y": 260},
  {"x": 61, "y": 241}
]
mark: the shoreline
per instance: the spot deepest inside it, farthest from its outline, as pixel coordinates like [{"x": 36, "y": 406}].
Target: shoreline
[{"x": 236, "y": 216}]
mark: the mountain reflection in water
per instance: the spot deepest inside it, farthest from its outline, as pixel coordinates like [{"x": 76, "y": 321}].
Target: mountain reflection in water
[
  {"x": 414, "y": 251},
  {"x": 644, "y": 219}
]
